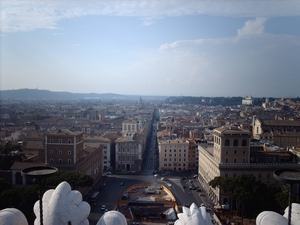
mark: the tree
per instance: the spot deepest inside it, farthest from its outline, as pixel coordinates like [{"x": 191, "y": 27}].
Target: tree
[
  {"x": 74, "y": 178},
  {"x": 9, "y": 153},
  {"x": 4, "y": 185}
]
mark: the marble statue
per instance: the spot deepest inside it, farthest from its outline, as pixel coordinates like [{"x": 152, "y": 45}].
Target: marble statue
[
  {"x": 12, "y": 216},
  {"x": 273, "y": 218},
  {"x": 63, "y": 206},
  {"x": 193, "y": 215}
]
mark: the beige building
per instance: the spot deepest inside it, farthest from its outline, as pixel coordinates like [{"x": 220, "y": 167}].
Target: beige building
[
  {"x": 173, "y": 154},
  {"x": 129, "y": 147},
  {"x": 96, "y": 141},
  {"x": 231, "y": 156},
  {"x": 284, "y": 133}
]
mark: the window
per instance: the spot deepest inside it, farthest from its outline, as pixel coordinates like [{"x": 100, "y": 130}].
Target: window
[
  {"x": 69, "y": 152},
  {"x": 60, "y": 152},
  {"x": 226, "y": 160},
  {"x": 59, "y": 141},
  {"x": 235, "y": 152},
  {"x": 227, "y": 142},
  {"x": 51, "y": 160},
  {"x": 69, "y": 161},
  {"x": 226, "y": 152},
  {"x": 51, "y": 151},
  {"x": 51, "y": 140},
  {"x": 244, "y": 160},
  {"x": 244, "y": 142},
  {"x": 244, "y": 152},
  {"x": 234, "y": 160},
  {"x": 235, "y": 142},
  {"x": 60, "y": 161}
]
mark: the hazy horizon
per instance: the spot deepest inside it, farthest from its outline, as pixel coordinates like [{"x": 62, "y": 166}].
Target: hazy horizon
[{"x": 151, "y": 47}]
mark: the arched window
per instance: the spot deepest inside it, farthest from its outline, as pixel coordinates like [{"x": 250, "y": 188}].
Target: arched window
[
  {"x": 235, "y": 142},
  {"x": 244, "y": 142},
  {"x": 227, "y": 142}
]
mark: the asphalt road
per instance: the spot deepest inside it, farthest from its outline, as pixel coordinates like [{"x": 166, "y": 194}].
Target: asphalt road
[{"x": 112, "y": 190}]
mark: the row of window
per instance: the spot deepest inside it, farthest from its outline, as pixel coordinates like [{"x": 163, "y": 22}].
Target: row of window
[
  {"x": 128, "y": 144},
  {"x": 170, "y": 155},
  {"x": 60, "y": 161},
  {"x": 259, "y": 175},
  {"x": 61, "y": 152},
  {"x": 165, "y": 159},
  {"x": 174, "y": 164},
  {"x": 227, "y": 142},
  {"x": 128, "y": 150},
  {"x": 60, "y": 141},
  {"x": 234, "y": 160},
  {"x": 125, "y": 158},
  {"x": 175, "y": 150},
  {"x": 235, "y": 152},
  {"x": 129, "y": 127}
]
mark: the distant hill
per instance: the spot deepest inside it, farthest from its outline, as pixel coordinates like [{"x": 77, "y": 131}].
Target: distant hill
[{"x": 36, "y": 94}]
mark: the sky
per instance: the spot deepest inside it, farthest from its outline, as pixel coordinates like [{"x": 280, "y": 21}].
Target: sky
[{"x": 207, "y": 48}]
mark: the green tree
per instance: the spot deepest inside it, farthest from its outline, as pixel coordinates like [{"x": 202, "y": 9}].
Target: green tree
[
  {"x": 9, "y": 153},
  {"x": 74, "y": 178},
  {"x": 4, "y": 185}
]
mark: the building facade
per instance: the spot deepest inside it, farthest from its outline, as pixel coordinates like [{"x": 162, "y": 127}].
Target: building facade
[
  {"x": 173, "y": 154},
  {"x": 231, "y": 156},
  {"x": 129, "y": 148}
]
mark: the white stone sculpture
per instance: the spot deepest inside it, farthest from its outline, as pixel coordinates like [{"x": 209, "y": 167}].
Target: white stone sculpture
[
  {"x": 62, "y": 206},
  {"x": 112, "y": 218},
  {"x": 273, "y": 218},
  {"x": 193, "y": 216},
  {"x": 12, "y": 216}
]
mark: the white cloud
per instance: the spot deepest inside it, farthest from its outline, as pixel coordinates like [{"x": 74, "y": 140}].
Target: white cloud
[
  {"x": 40, "y": 14},
  {"x": 256, "y": 64},
  {"x": 253, "y": 27}
]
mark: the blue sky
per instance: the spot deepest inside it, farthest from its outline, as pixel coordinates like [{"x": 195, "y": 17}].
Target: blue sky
[{"x": 152, "y": 47}]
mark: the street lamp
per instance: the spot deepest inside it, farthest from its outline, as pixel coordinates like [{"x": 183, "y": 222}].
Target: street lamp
[
  {"x": 39, "y": 173},
  {"x": 288, "y": 176}
]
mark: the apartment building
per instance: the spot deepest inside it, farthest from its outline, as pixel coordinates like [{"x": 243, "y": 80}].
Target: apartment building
[
  {"x": 97, "y": 141},
  {"x": 192, "y": 154},
  {"x": 64, "y": 149},
  {"x": 129, "y": 148},
  {"x": 231, "y": 156},
  {"x": 173, "y": 154},
  {"x": 284, "y": 133}
]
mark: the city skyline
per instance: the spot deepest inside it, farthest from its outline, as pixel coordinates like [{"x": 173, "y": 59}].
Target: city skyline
[{"x": 164, "y": 48}]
